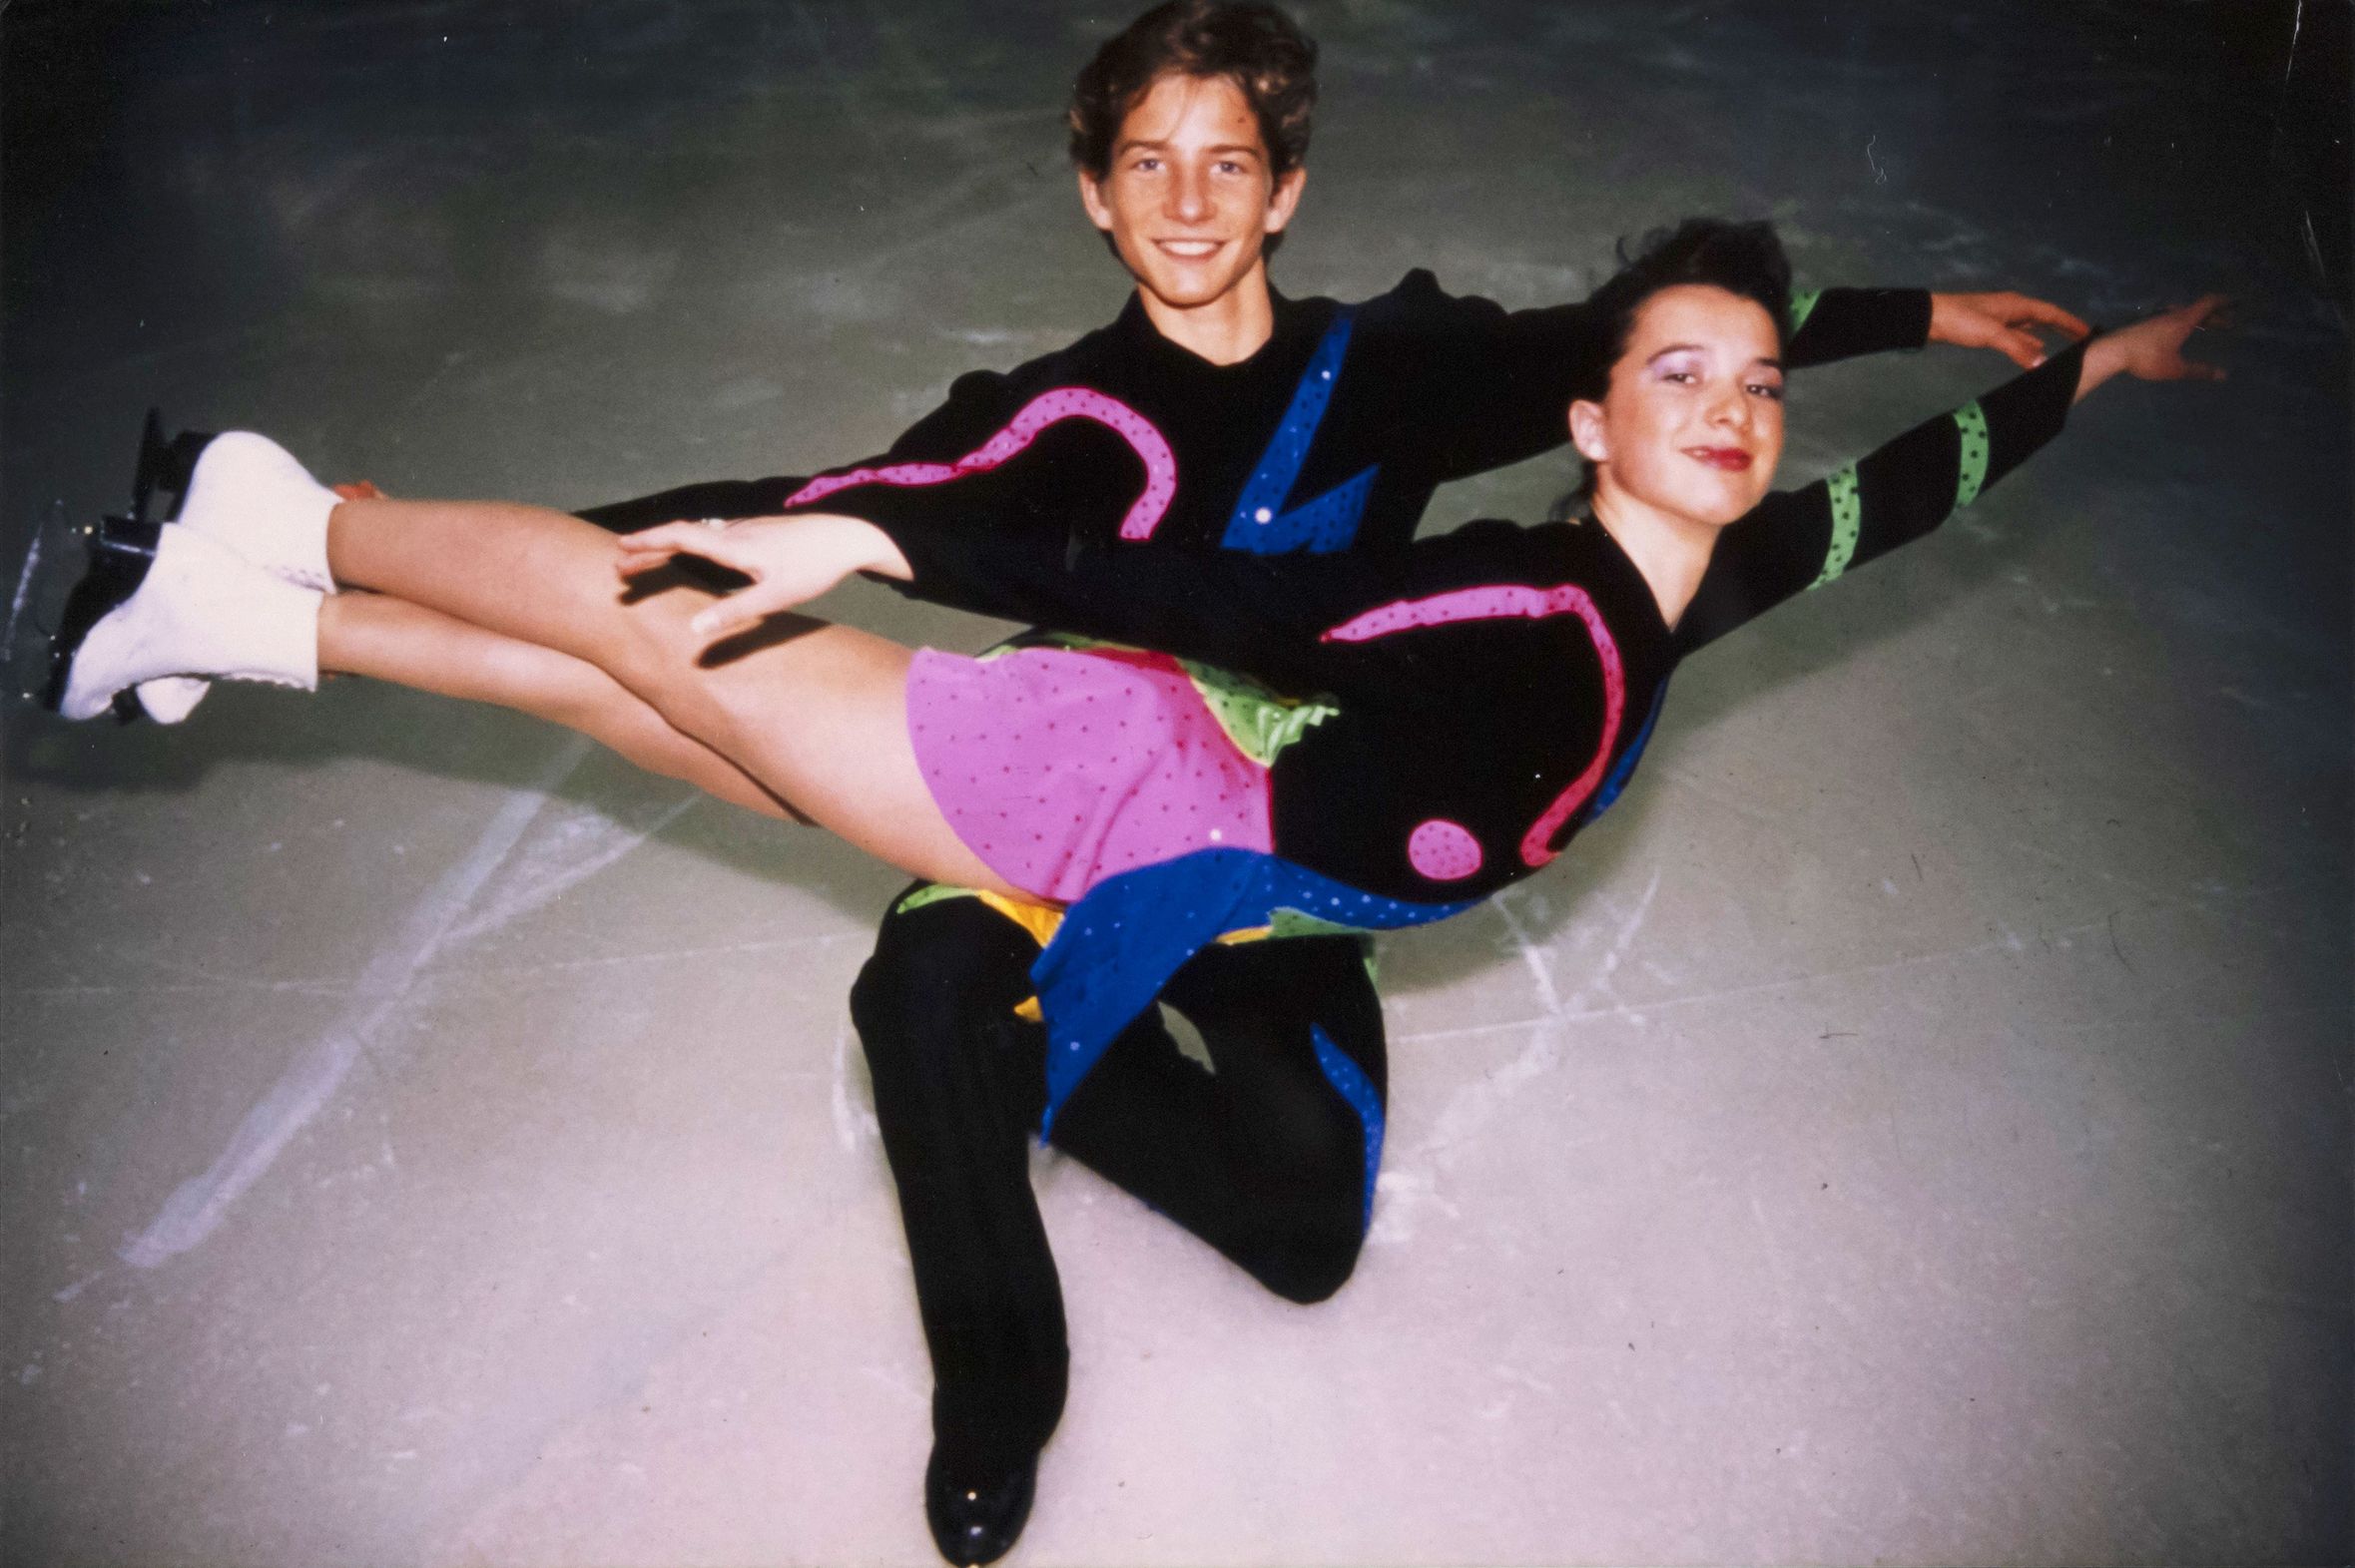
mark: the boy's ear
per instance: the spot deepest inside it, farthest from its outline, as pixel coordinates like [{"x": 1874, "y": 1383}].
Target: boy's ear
[
  {"x": 1586, "y": 431},
  {"x": 1284, "y": 200},
  {"x": 1091, "y": 197}
]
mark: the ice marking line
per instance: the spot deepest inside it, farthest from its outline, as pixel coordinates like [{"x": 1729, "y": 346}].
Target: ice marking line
[
  {"x": 1047, "y": 409},
  {"x": 448, "y": 973},
  {"x": 24, "y": 587},
  {"x": 619, "y": 842},
  {"x": 77, "y": 1288},
  {"x": 196, "y": 1207},
  {"x": 853, "y": 1125},
  {"x": 1533, "y": 956},
  {"x": 1473, "y": 1105}
]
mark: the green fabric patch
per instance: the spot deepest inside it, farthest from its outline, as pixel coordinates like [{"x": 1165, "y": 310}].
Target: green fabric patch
[
  {"x": 1259, "y": 722},
  {"x": 1803, "y": 305},
  {"x": 1847, "y": 522},
  {"x": 1290, "y": 922},
  {"x": 1971, "y": 470},
  {"x": 932, "y": 895}
]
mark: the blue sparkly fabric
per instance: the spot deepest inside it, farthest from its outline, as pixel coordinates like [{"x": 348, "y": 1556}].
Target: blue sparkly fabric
[
  {"x": 1260, "y": 524},
  {"x": 1350, "y": 1082},
  {"x": 1619, "y": 774},
  {"x": 1119, "y": 945}
]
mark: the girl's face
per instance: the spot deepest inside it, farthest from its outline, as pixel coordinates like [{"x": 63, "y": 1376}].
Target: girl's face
[{"x": 1692, "y": 424}]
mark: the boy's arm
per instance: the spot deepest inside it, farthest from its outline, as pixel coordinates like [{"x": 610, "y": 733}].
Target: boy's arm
[{"x": 1486, "y": 388}]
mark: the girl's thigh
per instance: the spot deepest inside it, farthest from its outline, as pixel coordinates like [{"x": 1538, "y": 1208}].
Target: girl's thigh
[{"x": 818, "y": 714}]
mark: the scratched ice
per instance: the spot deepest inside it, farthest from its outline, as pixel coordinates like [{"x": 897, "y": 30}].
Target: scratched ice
[{"x": 1909, "y": 1127}]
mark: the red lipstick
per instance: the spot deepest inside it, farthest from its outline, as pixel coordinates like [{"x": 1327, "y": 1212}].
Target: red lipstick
[{"x": 1732, "y": 459}]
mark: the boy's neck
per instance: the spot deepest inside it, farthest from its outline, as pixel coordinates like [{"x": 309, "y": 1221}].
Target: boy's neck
[{"x": 1224, "y": 330}]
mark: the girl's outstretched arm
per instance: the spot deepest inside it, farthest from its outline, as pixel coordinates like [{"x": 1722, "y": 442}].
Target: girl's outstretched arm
[{"x": 1801, "y": 538}]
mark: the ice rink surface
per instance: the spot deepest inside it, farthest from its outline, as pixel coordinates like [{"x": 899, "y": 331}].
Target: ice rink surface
[{"x": 1913, "y": 1128}]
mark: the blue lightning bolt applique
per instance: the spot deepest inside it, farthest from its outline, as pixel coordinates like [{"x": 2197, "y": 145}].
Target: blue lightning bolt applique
[{"x": 1260, "y": 524}]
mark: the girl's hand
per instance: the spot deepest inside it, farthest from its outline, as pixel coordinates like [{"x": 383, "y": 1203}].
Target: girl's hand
[
  {"x": 791, "y": 560},
  {"x": 2152, "y": 348},
  {"x": 2006, "y": 323}
]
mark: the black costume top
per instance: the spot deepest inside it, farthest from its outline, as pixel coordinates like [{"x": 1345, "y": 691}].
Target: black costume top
[
  {"x": 1332, "y": 437},
  {"x": 1494, "y": 686}
]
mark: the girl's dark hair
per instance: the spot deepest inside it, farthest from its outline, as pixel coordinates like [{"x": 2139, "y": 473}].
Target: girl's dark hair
[
  {"x": 1255, "y": 46},
  {"x": 1742, "y": 258}
]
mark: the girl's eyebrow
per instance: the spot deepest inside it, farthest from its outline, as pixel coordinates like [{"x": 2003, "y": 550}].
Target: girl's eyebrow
[{"x": 1763, "y": 362}]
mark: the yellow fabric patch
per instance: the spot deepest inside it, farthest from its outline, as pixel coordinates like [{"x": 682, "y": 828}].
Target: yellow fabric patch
[{"x": 1041, "y": 921}]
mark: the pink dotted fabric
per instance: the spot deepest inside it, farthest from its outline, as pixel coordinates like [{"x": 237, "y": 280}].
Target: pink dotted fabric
[
  {"x": 1443, "y": 851},
  {"x": 1061, "y": 767},
  {"x": 1047, "y": 408},
  {"x": 1494, "y": 603},
  {"x": 1498, "y": 602}
]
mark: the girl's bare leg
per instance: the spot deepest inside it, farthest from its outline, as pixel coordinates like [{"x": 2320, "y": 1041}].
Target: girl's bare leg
[
  {"x": 818, "y": 718},
  {"x": 409, "y": 644}
]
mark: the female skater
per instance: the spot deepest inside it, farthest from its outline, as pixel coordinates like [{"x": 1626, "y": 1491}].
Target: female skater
[
  {"x": 1476, "y": 698},
  {"x": 1462, "y": 682}
]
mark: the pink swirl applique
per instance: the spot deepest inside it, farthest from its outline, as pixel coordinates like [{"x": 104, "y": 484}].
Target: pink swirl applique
[
  {"x": 1499, "y": 602},
  {"x": 1047, "y": 408}
]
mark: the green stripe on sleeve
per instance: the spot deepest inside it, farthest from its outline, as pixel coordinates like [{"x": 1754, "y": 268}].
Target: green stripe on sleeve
[
  {"x": 1970, "y": 470},
  {"x": 1847, "y": 519},
  {"x": 1803, "y": 305}
]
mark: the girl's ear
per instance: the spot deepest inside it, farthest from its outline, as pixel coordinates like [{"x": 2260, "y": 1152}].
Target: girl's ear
[{"x": 1586, "y": 431}]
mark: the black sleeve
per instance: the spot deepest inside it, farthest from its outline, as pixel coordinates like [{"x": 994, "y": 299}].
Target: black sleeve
[
  {"x": 1841, "y": 323},
  {"x": 1070, "y": 468},
  {"x": 1800, "y": 539},
  {"x": 714, "y": 499},
  {"x": 977, "y": 407},
  {"x": 1264, "y": 616},
  {"x": 1486, "y": 386}
]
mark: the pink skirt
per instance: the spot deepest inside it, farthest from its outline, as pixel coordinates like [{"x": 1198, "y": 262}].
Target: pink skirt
[{"x": 1062, "y": 767}]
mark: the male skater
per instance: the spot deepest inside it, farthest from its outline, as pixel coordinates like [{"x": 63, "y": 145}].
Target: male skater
[{"x": 1212, "y": 414}]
